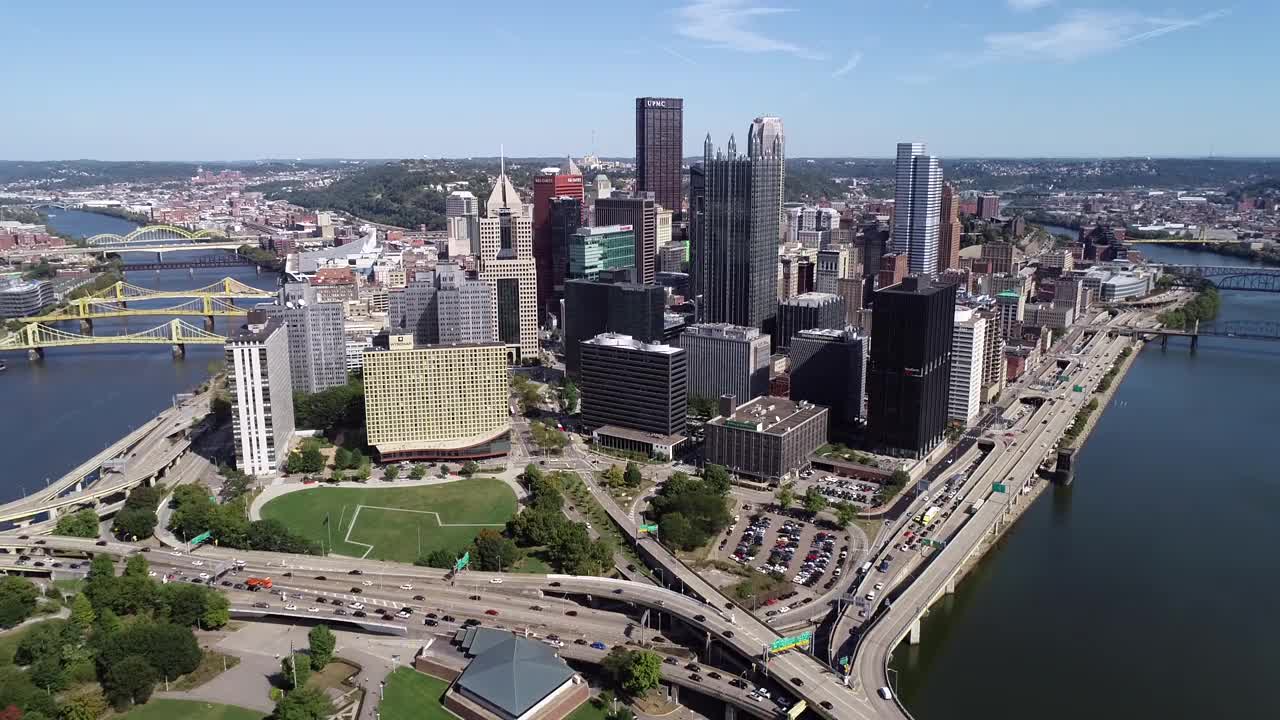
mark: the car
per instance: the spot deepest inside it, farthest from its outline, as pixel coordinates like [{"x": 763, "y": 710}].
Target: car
[
  {"x": 226, "y": 583},
  {"x": 826, "y": 704},
  {"x": 288, "y": 574},
  {"x": 42, "y": 542},
  {"x": 555, "y": 584},
  {"x": 617, "y": 591},
  {"x": 194, "y": 579},
  {"x": 885, "y": 693},
  {"x": 419, "y": 598},
  {"x": 432, "y": 616},
  {"x": 727, "y": 634},
  {"x": 771, "y": 613},
  {"x": 359, "y": 613},
  {"x": 756, "y": 697},
  {"x": 403, "y": 614},
  {"x": 197, "y": 563},
  {"x": 473, "y": 597},
  {"x": 879, "y": 586},
  {"x": 101, "y": 543},
  {"x": 176, "y": 553},
  {"x": 339, "y": 611},
  {"x": 490, "y": 611},
  {"x": 238, "y": 586},
  {"x": 355, "y": 572},
  {"x": 695, "y": 677},
  {"x": 366, "y": 583},
  {"x": 355, "y": 605},
  {"x": 429, "y": 622},
  {"x": 204, "y": 576},
  {"x": 797, "y": 682},
  {"x": 406, "y": 586},
  {"x": 670, "y": 661},
  {"x": 261, "y": 605},
  {"x": 448, "y": 618},
  {"x": 738, "y": 683},
  {"x": 290, "y": 606},
  {"x": 313, "y": 608},
  {"x": 692, "y": 666},
  {"x": 356, "y": 590},
  {"x": 321, "y": 577},
  {"x": 536, "y": 608},
  {"x": 597, "y": 645},
  {"x": 713, "y": 675},
  {"x": 762, "y": 692},
  {"x": 571, "y": 613},
  {"x": 579, "y": 641},
  {"x": 495, "y": 581},
  {"x": 700, "y": 618}
]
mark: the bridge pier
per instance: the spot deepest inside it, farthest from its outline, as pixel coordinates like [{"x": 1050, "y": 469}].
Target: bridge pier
[
  {"x": 730, "y": 711},
  {"x": 950, "y": 589},
  {"x": 86, "y": 326},
  {"x": 179, "y": 350},
  {"x": 1164, "y": 342},
  {"x": 1195, "y": 340},
  {"x": 208, "y": 322},
  {"x": 35, "y": 354},
  {"x": 914, "y": 636},
  {"x": 673, "y": 693}
]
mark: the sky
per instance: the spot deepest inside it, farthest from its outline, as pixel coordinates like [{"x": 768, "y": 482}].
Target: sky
[{"x": 232, "y": 80}]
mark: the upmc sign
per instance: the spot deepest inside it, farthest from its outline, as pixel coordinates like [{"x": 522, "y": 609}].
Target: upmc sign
[
  {"x": 660, "y": 103},
  {"x": 655, "y": 103}
]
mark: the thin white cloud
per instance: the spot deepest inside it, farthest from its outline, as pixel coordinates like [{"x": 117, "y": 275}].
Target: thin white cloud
[
  {"x": 678, "y": 55},
  {"x": 1027, "y": 5},
  {"x": 1084, "y": 33},
  {"x": 848, "y": 67},
  {"x": 725, "y": 24}
]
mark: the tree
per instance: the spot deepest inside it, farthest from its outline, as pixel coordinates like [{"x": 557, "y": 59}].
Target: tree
[
  {"x": 42, "y": 640},
  {"x": 717, "y": 478},
  {"x": 632, "y": 476},
  {"x": 234, "y": 484},
  {"x": 814, "y": 501},
  {"x": 47, "y": 674},
  {"x": 82, "y": 523},
  {"x": 132, "y": 523},
  {"x": 137, "y": 566},
  {"x": 532, "y": 473},
  {"x": 170, "y": 649},
  {"x": 322, "y": 642},
  {"x": 494, "y": 552},
  {"x": 217, "y": 610},
  {"x": 129, "y": 680},
  {"x": 846, "y": 513},
  {"x": 418, "y": 471},
  {"x": 786, "y": 496},
  {"x": 568, "y": 396},
  {"x": 899, "y": 478},
  {"x": 391, "y": 473},
  {"x": 82, "y": 613},
  {"x": 545, "y": 495},
  {"x": 295, "y": 670},
  {"x": 528, "y": 394},
  {"x": 548, "y": 438},
  {"x": 220, "y": 405},
  {"x": 342, "y": 459},
  {"x": 614, "y": 475},
  {"x": 702, "y": 407},
  {"x": 17, "y": 600},
  {"x": 635, "y": 671},
  {"x": 469, "y": 468},
  {"x": 303, "y": 704},
  {"x": 439, "y": 558}
]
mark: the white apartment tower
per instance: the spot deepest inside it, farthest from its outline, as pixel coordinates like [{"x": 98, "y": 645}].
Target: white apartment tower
[
  {"x": 261, "y": 394},
  {"x": 968, "y": 341},
  {"x": 507, "y": 266},
  {"x": 917, "y": 208}
]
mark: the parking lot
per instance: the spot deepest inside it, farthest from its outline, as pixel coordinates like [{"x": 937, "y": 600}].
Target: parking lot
[{"x": 841, "y": 489}]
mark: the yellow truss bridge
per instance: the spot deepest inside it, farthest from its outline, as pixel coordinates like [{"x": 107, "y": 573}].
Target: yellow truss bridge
[
  {"x": 35, "y": 338},
  {"x": 151, "y": 234},
  {"x": 224, "y": 289},
  {"x": 89, "y": 309}
]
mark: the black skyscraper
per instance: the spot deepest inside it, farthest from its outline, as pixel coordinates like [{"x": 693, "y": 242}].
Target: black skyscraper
[
  {"x": 659, "y": 149},
  {"x": 733, "y": 231},
  {"x": 566, "y": 218},
  {"x": 591, "y": 308},
  {"x": 909, "y": 372}
]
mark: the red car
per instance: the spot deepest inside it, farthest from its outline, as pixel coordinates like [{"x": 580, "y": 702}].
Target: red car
[{"x": 490, "y": 612}]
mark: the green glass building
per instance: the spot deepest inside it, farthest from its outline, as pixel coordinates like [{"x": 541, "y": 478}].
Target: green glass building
[{"x": 596, "y": 249}]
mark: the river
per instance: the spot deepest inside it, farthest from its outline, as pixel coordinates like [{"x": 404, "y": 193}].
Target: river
[
  {"x": 59, "y": 411},
  {"x": 1143, "y": 589}
]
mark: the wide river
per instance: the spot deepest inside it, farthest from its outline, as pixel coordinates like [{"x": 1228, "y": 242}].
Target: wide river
[
  {"x": 56, "y": 413},
  {"x": 1144, "y": 589}
]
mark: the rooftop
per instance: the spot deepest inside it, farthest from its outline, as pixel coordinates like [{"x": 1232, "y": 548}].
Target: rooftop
[
  {"x": 639, "y": 435},
  {"x": 626, "y": 341},
  {"x": 514, "y": 673},
  {"x": 773, "y": 415}
]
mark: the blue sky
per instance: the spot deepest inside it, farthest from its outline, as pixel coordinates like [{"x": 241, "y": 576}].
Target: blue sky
[{"x": 234, "y": 80}]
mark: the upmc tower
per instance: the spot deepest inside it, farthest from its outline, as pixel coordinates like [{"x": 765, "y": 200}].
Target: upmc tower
[{"x": 659, "y": 149}]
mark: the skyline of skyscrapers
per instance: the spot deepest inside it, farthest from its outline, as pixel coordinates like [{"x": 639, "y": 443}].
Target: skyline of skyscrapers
[{"x": 916, "y": 208}]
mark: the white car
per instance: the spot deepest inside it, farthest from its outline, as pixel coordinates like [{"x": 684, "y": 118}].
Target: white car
[
  {"x": 176, "y": 553},
  {"x": 879, "y": 587},
  {"x": 495, "y": 581},
  {"x": 151, "y": 573},
  {"x": 356, "y": 606},
  {"x": 871, "y": 596},
  {"x": 204, "y": 576},
  {"x": 367, "y": 583},
  {"x": 402, "y": 614},
  {"x": 290, "y": 606},
  {"x": 762, "y": 692},
  {"x": 313, "y": 608},
  {"x": 784, "y": 608},
  {"x": 197, "y": 563},
  {"x": 406, "y": 586}
]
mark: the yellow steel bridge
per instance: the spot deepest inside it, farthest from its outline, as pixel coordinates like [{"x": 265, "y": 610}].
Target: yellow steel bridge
[
  {"x": 36, "y": 337},
  {"x": 224, "y": 289},
  {"x": 151, "y": 234}
]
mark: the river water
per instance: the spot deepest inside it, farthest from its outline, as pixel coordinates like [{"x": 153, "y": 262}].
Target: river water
[
  {"x": 1144, "y": 589},
  {"x": 56, "y": 413}
]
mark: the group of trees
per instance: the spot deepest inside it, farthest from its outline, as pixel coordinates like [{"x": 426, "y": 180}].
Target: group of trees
[
  {"x": 137, "y": 519},
  {"x": 631, "y": 477},
  {"x": 815, "y": 502},
  {"x": 690, "y": 511},
  {"x": 332, "y": 409},
  {"x": 195, "y": 513},
  {"x": 81, "y": 523},
  {"x": 301, "y": 702},
  {"x": 1204, "y": 307},
  {"x": 17, "y": 600},
  {"x": 568, "y": 545},
  {"x": 528, "y": 393},
  {"x": 548, "y": 437},
  {"x": 306, "y": 458},
  {"x": 634, "y": 672},
  {"x": 569, "y": 396}
]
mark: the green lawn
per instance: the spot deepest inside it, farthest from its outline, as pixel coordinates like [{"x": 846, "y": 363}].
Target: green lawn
[
  {"x": 588, "y": 711},
  {"x": 189, "y": 710},
  {"x": 391, "y": 520},
  {"x": 533, "y": 563},
  {"x": 410, "y": 695}
]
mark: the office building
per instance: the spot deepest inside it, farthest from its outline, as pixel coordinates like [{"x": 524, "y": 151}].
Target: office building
[
  {"x": 462, "y": 308},
  {"x": 671, "y": 258},
  {"x": 257, "y": 357},
  {"x": 662, "y": 223},
  {"x": 813, "y": 310},
  {"x": 829, "y": 368},
  {"x": 677, "y": 282},
  {"x": 317, "y": 346},
  {"x": 603, "y": 247},
  {"x": 726, "y": 360},
  {"x": 988, "y": 207},
  {"x": 1071, "y": 291},
  {"x": 634, "y": 392},
  {"x": 462, "y": 222},
  {"x": 950, "y": 231},
  {"x": 993, "y": 364},
  {"x": 592, "y": 308},
  {"x": 893, "y": 268},
  {"x": 968, "y": 342},
  {"x": 564, "y": 181},
  {"x": 1000, "y": 256},
  {"x": 23, "y": 298},
  {"x": 641, "y": 213},
  {"x": 660, "y": 150},
  {"x": 1048, "y": 315},
  {"x": 769, "y": 438},
  {"x": 916, "y": 209},
  {"x": 852, "y": 289},
  {"x": 508, "y": 267},
  {"x": 566, "y": 218},
  {"x": 733, "y": 228},
  {"x": 1061, "y": 260},
  {"x": 1012, "y": 309},
  {"x": 909, "y": 368},
  {"x": 808, "y": 225},
  {"x": 766, "y": 139},
  {"x": 437, "y": 402}
]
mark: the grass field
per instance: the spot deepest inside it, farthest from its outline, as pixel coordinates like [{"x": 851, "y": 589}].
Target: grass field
[
  {"x": 189, "y": 710},
  {"x": 410, "y": 695},
  {"x": 588, "y": 710},
  {"x": 385, "y": 523}
]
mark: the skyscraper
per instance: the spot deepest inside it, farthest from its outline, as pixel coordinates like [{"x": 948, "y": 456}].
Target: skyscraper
[
  {"x": 630, "y": 384},
  {"x": 829, "y": 368},
  {"x": 917, "y": 204},
  {"x": 726, "y": 360},
  {"x": 949, "y": 230},
  {"x": 442, "y": 306},
  {"x": 988, "y": 207},
  {"x": 261, "y": 394},
  {"x": 551, "y": 183},
  {"x": 317, "y": 347},
  {"x": 566, "y": 218},
  {"x": 812, "y": 310},
  {"x": 604, "y": 247},
  {"x": 660, "y": 149},
  {"x": 591, "y": 308},
  {"x": 462, "y": 217},
  {"x": 508, "y": 266},
  {"x": 766, "y": 138},
  {"x": 909, "y": 371},
  {"x": 640, "y": 211},
  {"x": 733, "y": 228},
  {"x": 969, "y": 341}
]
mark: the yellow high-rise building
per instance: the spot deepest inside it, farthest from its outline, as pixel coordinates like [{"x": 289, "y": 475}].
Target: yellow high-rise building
[{"x": 438, "y": 402}]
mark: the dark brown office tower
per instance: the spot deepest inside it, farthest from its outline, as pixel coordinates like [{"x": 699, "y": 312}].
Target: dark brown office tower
[
  {"x": 640, "y": 212},
  {"x": 949, "y": 230},
  {"x": 659, "y": 149}
]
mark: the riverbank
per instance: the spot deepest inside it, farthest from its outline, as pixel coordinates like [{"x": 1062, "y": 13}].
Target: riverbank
[{"x": 121, "y": 213}]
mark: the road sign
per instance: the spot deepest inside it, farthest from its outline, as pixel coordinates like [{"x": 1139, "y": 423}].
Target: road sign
[
  {"x": 651, "y": 529},
  {"x": 933, "y": 543},
  {"x": 998, "y": 487},
  {"x": 202, "y": 537},
  {"x": 1077, "y": 388},
  {"x": 845, "y": 661},
  {"x": 787, "y": 643},
  {"x": 462, "y": 562}
]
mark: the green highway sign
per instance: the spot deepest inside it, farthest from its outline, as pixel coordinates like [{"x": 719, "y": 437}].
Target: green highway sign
[
  {"x": 787, "y": 643},
  {"x": 463, "y": 562},
  {"x": 934, "y": 543},
  {"x": 998, "y": 487},
  {"x": 1078, "y": 388},
  {"x": 202, "y": 537},
  {"x": 651, "y": 529},
  {"x": 845, "y": 661}
]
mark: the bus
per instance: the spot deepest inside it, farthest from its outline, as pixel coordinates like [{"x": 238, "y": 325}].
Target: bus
[{"x": 926, "y": 517}]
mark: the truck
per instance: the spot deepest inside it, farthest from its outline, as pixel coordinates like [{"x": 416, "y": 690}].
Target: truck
[
  {"x": 926, "y": 517},
  {"x": 258, "y": 583},
  {"x": 973, "y": 508}
]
